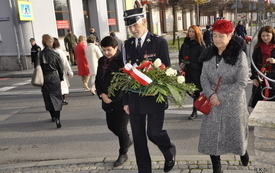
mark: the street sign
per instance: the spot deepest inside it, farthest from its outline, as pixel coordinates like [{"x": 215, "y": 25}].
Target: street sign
[{"x": 237, "y": 4}]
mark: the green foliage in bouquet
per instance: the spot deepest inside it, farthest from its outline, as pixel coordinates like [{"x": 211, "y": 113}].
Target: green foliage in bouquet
[{"x": 165, "y": 84}]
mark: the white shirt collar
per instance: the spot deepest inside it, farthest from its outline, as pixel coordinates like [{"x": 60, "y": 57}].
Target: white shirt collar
[{"x": 143, "y": 37}]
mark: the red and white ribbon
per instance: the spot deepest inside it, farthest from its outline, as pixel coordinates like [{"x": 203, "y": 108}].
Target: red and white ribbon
[{"x": 137, "y": 75}]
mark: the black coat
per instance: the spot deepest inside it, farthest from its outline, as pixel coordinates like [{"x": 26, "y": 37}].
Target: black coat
[
  {"x": 153, "y": 47},
  {"x": 193, "y": 50},
  {"x": 52, "y": 68},
  {"x": 207, "y": 36},
  {"x": 240, "y": 31},
  {"x": 34, "y": 51},
  {"x": 256, "y": 91},
  {"x": 103, "y": 81}
]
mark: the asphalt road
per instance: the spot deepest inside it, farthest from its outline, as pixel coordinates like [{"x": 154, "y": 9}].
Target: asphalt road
[{"x": 27, "y": 134}]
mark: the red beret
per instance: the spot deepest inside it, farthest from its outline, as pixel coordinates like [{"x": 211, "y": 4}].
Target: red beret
[{"x": 223, "y": 26}]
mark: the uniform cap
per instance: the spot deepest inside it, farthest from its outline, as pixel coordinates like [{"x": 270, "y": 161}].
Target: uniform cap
[
  {"x": 32, "y": 39},
  {"x": 132, "y": 16}
]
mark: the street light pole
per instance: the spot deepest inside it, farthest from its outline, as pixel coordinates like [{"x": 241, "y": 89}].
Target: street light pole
[{"x": 198, "y": 15}]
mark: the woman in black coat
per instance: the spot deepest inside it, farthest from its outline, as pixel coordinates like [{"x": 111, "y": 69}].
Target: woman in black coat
[
  {"x": 189, "y": 54},
  {"x": 53, "y": 74},
  {"x": 263, "y": 57},
  {"x": 116, "y": 117}
]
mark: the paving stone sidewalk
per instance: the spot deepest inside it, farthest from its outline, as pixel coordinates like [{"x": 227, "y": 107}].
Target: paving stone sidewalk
[{"x": 184, "y": 164}]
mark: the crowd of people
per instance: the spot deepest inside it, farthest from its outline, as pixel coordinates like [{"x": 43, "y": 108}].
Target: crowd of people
[{"x": 217, "y": 54}]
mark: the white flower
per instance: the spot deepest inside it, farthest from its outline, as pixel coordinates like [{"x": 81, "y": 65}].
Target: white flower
[
  {"x": 171, "y": 72},
  {"x": 157, "y": 62},
  {"x": 180, "y": 79}
]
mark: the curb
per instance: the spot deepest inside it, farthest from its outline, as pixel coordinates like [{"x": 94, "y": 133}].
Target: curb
[{"x": 182, "y": 162}]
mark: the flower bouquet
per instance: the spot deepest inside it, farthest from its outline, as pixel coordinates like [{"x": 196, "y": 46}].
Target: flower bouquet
[{"x": 152, "y": 79}]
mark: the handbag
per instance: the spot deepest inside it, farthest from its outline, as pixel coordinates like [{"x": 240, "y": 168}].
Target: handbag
[
  {"x": 202, "y": 103},
  {"x": 37, "y": 76}
]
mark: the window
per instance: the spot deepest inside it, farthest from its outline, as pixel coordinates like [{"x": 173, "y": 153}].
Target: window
[
  {"x": 62, "y": 15},
  {"x": 112, "y": 15}
]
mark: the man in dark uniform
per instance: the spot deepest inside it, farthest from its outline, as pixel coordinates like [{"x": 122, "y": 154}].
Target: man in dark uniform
[
  {"x": 146, "y": 46},
  {"x": 34, "y": 51}
]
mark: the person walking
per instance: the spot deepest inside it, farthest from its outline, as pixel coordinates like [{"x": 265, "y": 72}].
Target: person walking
[
  {"x": 264, "y": 58},
  {"x": 145, "y": 110},
  {"x": 240, "y": 30},
  {"x": 225, "y": 129},
  {"x": 189, "y": 54},
  {"x": 82, "y": 63},
  {"x": 65, "y": 84},
  {"x": 34, "y": 51},
  {"x": 92, "y": 32},
  {"x": 70, "y": 42},
  {"x": 207, "y": 36},
  {"x": 116, "y": 117},
  {"x": 93, "y": 53},
  {"x": 113, "y": 34},
  {"x": 52, "y": 68}
]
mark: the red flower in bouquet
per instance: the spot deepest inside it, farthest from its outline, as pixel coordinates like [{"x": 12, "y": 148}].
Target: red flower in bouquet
[{"x": 183, "y": 63}]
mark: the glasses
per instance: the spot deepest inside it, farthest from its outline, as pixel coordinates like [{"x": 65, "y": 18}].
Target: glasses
[{"x": 132, "y": 20}]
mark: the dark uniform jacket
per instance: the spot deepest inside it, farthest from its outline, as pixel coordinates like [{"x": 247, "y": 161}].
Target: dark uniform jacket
[
  {"x": 193, "y": 50},
  {"x": 103, "y": 81},
  {"x": 153, "y": 47},
  {"x": 53, "y": 73},
  {"x": 34, "y": 51}
]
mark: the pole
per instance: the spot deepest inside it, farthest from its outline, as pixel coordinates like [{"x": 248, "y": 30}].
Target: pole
[
  {"x": 198, "y": 15},
  {"x": 236, "y": 12}
]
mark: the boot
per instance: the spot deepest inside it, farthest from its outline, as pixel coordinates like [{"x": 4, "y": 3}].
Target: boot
[
  {"x": 57, "y": 120},
  {"x": 194, "y": 114},
  {"x": 216, "y": 163},
  {"x": 245, "y": 159}
]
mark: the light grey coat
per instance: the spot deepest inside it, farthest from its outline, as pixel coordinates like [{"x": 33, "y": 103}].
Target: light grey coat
[{"x": 225, "y": 129}]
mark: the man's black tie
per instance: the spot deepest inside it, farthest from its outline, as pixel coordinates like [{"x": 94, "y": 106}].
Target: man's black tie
[{"x": 138, "y": 46}]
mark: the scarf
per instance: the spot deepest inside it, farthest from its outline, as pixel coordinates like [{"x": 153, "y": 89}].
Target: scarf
[
  {"x": 106, "y": 64},
  {"x": 266, "y": 51}
]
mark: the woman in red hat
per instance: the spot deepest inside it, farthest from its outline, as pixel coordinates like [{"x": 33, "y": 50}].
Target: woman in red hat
[{"x": 225, "y": 129}]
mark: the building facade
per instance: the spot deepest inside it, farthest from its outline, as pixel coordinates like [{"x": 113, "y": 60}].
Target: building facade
[{"x": 21, "y": 20}]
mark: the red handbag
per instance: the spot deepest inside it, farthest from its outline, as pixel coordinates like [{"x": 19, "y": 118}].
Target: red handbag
[{"x": 202, "y": 103}]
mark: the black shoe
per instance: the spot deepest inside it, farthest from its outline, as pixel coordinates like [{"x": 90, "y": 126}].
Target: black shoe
[
  {"x": 53, "y": 119},
  {"x": 169, "y": 164},
  {"x": 120, "y": 160},
  {"x": 245, "y": 159},
  {"x": 193, "y": 115},
  {"x": 64, "y": 102},
  {"x": 58, "y": 124}
]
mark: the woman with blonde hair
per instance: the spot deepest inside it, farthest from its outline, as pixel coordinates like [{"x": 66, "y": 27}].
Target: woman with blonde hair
[
  {"x": 82, "y": 64},
  {"x": 53, "y": 73},
  {"x": 189, "y": 54}
]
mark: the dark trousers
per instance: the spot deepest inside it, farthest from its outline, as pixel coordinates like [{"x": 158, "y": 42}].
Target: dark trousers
[
  {"x": 117, "y": 121},
  {"x": 155, "y": 134}
]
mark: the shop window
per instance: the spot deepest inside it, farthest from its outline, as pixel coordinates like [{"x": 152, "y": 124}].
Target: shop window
[
  {"x": 112, "y": 15},
  {"x": 62, "y": 15}
]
